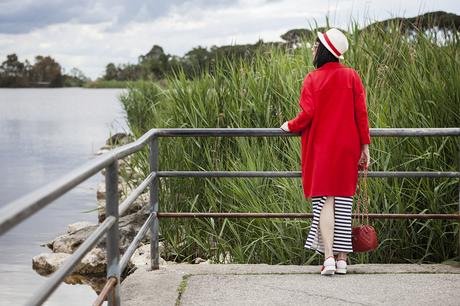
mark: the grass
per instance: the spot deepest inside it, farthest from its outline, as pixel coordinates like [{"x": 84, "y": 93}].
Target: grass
[
  {"x": 108, "y": 84},
  {"x": 410, "y": 83},
  {"x": 181, "y": 288}
]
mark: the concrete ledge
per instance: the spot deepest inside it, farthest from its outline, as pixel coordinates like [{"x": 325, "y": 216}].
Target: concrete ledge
[
  {"x": 293, "y": 269},
  {"x": 208, "y": 284}
]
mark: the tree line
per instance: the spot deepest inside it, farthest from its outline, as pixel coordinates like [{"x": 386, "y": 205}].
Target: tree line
[
  {"x": 156, "y": 64},
  {"x": 44, "y": 72}
]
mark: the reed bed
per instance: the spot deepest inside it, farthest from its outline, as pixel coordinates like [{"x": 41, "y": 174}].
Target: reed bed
[{"x": 411, "y": 82}]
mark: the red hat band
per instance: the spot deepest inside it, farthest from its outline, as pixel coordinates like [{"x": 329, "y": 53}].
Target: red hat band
[{"x": 331, "y": 45}]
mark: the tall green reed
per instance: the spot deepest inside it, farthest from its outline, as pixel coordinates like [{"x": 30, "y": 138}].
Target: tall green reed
[{"x": 409, "y": 83}]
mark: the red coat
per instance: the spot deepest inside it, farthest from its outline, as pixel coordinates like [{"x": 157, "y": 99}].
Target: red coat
[{"x": 333, "y": 123}]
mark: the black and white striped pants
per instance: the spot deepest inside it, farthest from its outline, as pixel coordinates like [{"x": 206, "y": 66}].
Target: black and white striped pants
[{"x": 342, "y": 226}]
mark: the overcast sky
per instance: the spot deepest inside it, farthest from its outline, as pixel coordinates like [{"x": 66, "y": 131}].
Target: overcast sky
[{"x": 88, "y": 34}]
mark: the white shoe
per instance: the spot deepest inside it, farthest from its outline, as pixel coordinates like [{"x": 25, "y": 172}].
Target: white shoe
[
  {"x": 328, "y": 267},
  {"x": 341, "y": 266}
]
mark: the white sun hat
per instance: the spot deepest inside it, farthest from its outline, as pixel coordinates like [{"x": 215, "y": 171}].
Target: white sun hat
[{"x": 335, "y": 41}]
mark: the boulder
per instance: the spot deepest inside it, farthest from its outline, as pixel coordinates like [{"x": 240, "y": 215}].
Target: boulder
[
  {"x": 129, "y": 226},
  {"x": 92, "y": 264},
  {"x": 95, "y": 282},
  {"x": 72, "y": 228},
  {"x": 69, "y": 242},
  {"x": 47, "y": 263},
  {"x": 139, "y": 203},
  {"x": 118, "y": 139}
]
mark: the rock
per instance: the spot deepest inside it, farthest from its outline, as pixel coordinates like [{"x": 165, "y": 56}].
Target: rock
[
  {"x": 198, "y": 260},
  {"x": 47, "y": 263},
  {"x": 118, "y": 139},
  {"x": 100, "y": 193},
  {"x": 95, "y": 282},
  {"x": 139, "y": 203},
  {"x": 141, "y": 256},
  {"x": 129, "y": 226},
  {"x": 92, "y": 264},
  {"x": 142, "y": 201},
  {"x": 72, "y": 228},
  {"x": 69, "y": 242}
]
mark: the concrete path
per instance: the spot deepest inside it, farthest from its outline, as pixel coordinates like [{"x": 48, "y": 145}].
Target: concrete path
[{"x": 205, "y": 284}]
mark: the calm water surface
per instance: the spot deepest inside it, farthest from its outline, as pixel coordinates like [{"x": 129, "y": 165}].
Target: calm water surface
[{"x": 45, "y": 133}]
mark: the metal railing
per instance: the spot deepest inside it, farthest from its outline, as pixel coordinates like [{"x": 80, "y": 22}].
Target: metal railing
[{"x": 19, "y": 210}]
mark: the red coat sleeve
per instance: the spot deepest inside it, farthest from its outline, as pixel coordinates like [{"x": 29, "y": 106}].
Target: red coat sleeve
[
  {"x": 361, "y": 117},
  {"x": 304, "y": 117}
]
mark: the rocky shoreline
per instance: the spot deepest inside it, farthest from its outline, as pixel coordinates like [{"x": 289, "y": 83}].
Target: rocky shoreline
[{"x": 91, "y": 270}]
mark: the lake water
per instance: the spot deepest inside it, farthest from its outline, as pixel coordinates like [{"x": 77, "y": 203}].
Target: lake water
[{"x": 45, "y": 133}]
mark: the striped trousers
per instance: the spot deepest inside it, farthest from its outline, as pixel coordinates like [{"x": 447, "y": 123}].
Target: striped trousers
[{"x": 342, "y": 226}]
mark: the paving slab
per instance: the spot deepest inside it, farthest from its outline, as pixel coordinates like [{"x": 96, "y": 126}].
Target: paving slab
[
  {"x": 309, "y": 289},
  {"x": 234, "y": 284}
]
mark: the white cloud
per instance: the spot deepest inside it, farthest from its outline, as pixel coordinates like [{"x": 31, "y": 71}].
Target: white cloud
[{"x": 90, "y": 46}]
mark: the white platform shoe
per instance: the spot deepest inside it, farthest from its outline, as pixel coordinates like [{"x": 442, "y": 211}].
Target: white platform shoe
[
  {"x": 328, "y": 267},
  {"x": 341, "y": 266}
]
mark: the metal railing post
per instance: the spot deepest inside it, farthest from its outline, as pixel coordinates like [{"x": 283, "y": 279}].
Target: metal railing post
[
  {"x": 458, "y": 227},
  {"x": 154, "y": 227},
  {"x": 113, "y": 235}
]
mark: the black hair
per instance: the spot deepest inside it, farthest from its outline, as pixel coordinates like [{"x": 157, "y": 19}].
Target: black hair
[{"x": 323, "y": 55}]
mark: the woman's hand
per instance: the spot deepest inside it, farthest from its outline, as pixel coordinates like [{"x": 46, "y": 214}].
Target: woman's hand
[
  {"x": 365, "y": 156},
  {"x": 285, "y": 127}
]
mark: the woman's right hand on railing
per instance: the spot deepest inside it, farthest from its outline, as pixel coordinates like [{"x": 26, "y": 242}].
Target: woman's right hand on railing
[{"x": 365, "y": 156}]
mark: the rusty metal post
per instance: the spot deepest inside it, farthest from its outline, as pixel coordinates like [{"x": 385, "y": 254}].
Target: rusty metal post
[
  {"x": 113, "y": 235},
  {"x": 154, "y": 227}
]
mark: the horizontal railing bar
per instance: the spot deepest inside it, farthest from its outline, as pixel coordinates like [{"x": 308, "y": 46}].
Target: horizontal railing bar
[
  {"x": 178, "y": 173},
  {"x": 183, "y": 132},
  {"x": 298, "y": 174},
  {"x": 135, "y": 193},
  {"x": 18, "y": 210},
  {"x": 111, "y": 282},
  {"x": 57, "y": 277},
  {"x": 298, "y": 215},
  {"x": 414, "y": 132},
  {"x": 133, "y": 246}
]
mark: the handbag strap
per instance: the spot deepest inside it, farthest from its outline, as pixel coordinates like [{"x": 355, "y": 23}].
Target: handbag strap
[{"x": 362, "y": 196}]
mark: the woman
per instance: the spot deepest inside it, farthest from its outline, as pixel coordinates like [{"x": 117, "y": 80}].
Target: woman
[{"x": 335, "y": 141}]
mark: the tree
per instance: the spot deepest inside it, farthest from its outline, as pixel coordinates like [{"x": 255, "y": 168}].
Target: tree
[
  {"x": 111, "y": 72},
  {"x": 155, "y": 63},
  {"x": 12, "y": 72},
  {"x": 46, "y": 71},
  {"x": 196, "y": 61},
  {"x": 75, "y": 78},
  {"x": 156, "y": 53},
  {"x": 294, "y": 37}
]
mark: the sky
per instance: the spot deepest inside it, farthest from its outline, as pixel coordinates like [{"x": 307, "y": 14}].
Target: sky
[{"x": 89, "y": 34}]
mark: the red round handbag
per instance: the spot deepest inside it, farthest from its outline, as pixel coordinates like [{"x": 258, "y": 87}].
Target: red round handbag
[{"x": 364, "y": 237}]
